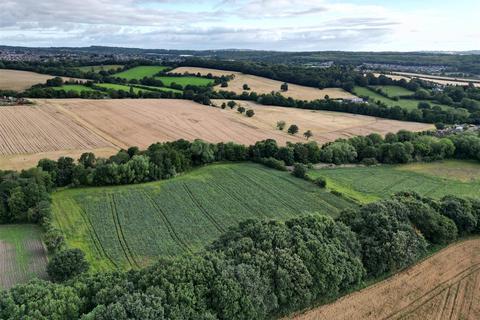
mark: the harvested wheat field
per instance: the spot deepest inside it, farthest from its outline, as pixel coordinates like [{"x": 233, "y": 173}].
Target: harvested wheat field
[
  {"x": 444, "y": 286},
  {"x": 265, "y": 85},
  {"x": 325, "y": 125},
  {"x": 440, "y": 79},
  {"x": 52, "y": 128},
  {"x": 17, "y": 80}
]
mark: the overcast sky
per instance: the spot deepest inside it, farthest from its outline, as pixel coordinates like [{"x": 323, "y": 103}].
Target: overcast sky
[{"x": 292, "y": 25}]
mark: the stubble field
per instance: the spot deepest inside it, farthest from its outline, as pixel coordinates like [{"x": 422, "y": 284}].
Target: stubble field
[
  {"x": 264, "y": 85},
  {"x": 53, "y": 127},
  {"x": 444, "y": 286},
  {"x": 18, "y": 80}
]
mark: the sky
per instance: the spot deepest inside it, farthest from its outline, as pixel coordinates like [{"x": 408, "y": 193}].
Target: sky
[{"x": 283, "y": 25}]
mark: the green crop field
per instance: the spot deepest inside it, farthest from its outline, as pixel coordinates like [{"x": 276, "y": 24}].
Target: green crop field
[
  {"x": 22, "y": 255},
  {"x": 161, "y": 88},
  {"x": 74, "y": 87},
  {"x": 184, "y": 81},
  {"x": 409, "y": 104},
  {"x": 395, "y": 91},
  {"x": 106, "y": 67},
  {"x": 120, "y": 87},
  {"x": 131, "y": 226},
  {"x": 140, "y": 72},
  {"x": 366, "y": 184}
]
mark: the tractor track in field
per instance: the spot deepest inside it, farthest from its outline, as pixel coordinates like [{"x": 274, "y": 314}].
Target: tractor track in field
[
  {"x": 95, "y": 238},
  {"x": 121, "y": 237},
  {"x": 168, "y": 224},
  {"x": 203, "y": 210}
]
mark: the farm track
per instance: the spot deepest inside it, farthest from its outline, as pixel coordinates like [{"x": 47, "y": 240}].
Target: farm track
[
  {"x": 218, "y": 226},
  {"x": 168, "y": 224},
  {"x": 95, "y": 238},
  {"x": 121, "y": 238}
]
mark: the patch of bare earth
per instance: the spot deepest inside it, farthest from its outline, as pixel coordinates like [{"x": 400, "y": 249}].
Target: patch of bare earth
[
  {"x": 18, "y": 80},
  {"x": 263, "y": 85},
  {"x": 444, "y": 286}
]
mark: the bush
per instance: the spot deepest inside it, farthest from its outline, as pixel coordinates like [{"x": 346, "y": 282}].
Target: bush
[
  {"x": 321, "y": 182},
  {"x": 369, "y": 161},
  {"x": 54, "y": 240},
  {"x": 241, "y": 109},
  {"x": 299, "y": 170},
  {"x": 293, "y": 129},
  {"x": 67, "y": 264},
  {"x": 250, "y": 113},
  {"x": 273, "y": 163}
]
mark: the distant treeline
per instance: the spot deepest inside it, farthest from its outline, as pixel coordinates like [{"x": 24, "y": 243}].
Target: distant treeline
[{"x": 336, "y": 76}]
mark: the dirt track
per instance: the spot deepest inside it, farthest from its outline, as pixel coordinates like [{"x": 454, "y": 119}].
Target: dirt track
[
  {"x": 265, "y": 85},
  {"x": 68, "y": 127},
  {"x": 445, "y": 286}
]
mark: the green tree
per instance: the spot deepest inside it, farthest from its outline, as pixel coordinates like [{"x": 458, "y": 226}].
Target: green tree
[
  {"x": 281, "y": 125},
  {"x": 67, "y": 264},
  {"x": 293, "y": 129},
  {"x": 308, "y": 134},
  {"x": 241, "y": 109},
  {"x": 17, "y": 205},
  {"x": 250, "y": 113},
  {"x": 231, "y": 104},
  {"x": 299, "y": 170}
]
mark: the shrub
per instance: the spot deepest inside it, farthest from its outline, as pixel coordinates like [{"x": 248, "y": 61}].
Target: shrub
[
  {"x": 273, "y": 163},
  {"x": 250, "y": 113},
  {"x": 67, "y": 264},
  {"x": 54, "y": 240},
  {"x": 369, "y": 161},
  {"x": 321, "y": 182},
  {"x": 293, "y": 129},
  {"x": 299, "y": 170},
  {"x": 281, "y": 125},
  {"x": 241, "y": 109}
]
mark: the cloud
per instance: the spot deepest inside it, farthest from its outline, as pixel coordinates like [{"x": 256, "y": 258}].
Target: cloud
[{"x": 213, "y": 24}]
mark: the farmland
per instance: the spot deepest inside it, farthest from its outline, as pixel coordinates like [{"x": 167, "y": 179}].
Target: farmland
[
  {"x": 130, "y": 226},
  {"x": 74, "y": 87},
  {"x": 185, "y": 81},
  {"x": 22, "y": 255},
  {"x": 444, "y": 286},
  {"x": 443, "y": 80},
  {"x": 395, "y": 91},
  {"x": 120, "y": 87},
  {"x": 21, "y": 80},
  {"x": 100, "y": 68},
  {"x": 409, "y": 104},
  {"x": 436, "y": 179},
  {"x": 264, "y": 85},
  {"x": 72, "y": 125},
  {"x": 140, "y": 72}
]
